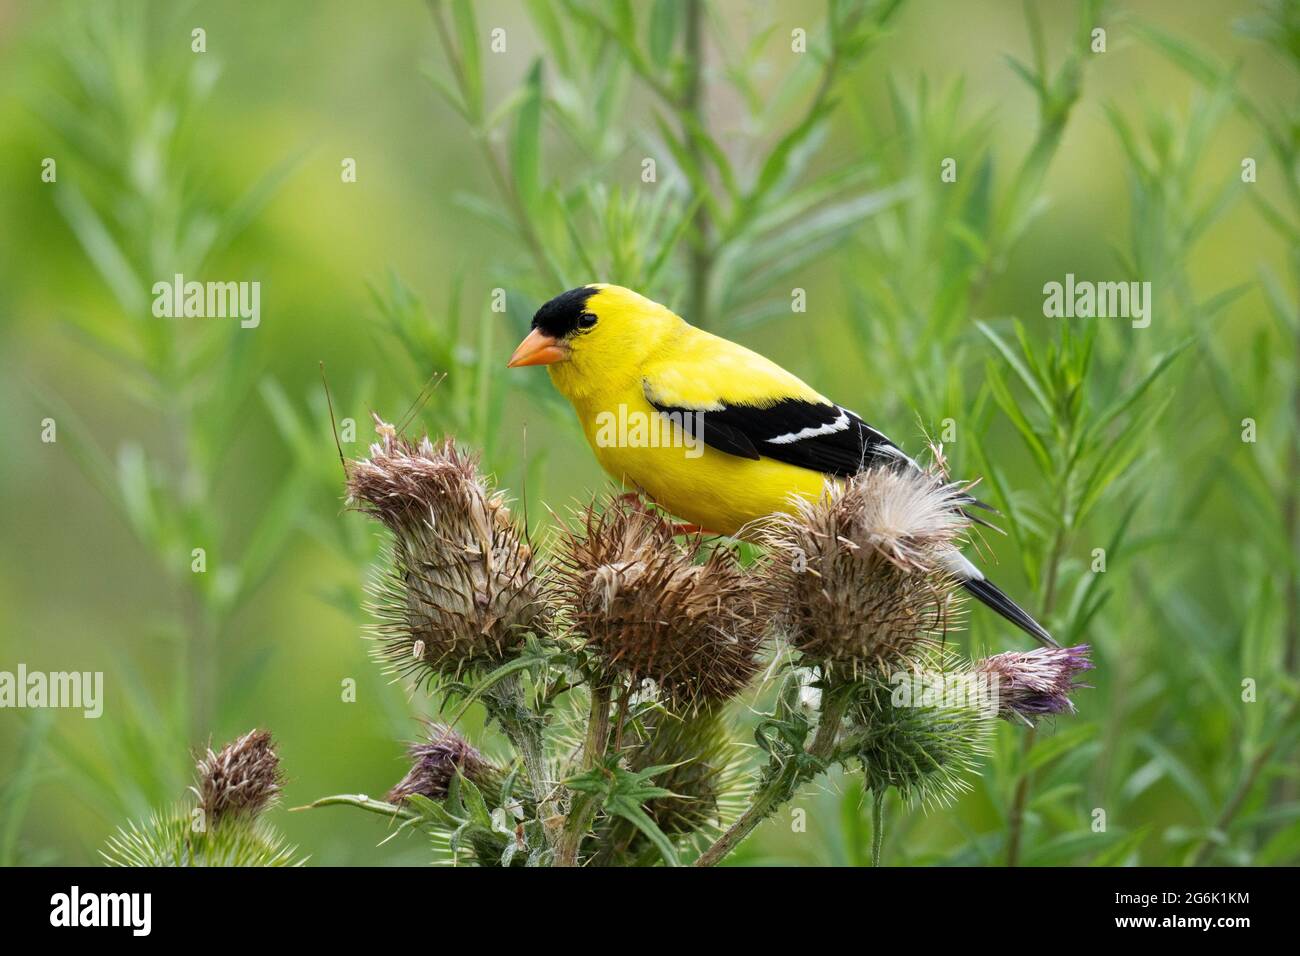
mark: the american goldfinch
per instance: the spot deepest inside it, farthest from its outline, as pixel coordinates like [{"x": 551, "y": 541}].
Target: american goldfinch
[{"x": 629, "y": 365}]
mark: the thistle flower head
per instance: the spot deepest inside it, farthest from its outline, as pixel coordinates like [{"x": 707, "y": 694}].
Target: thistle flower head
[
  {"x": 706, "y": 771},
  {"x": 168, "y": 838},
  {"x": 653, "y": 608},
  {"x": 462, "y": 590},
  {"x": 1032, "y": 684},
  {"x": 241, "y": 780},
  {"x": 924, "y": 746},
  {"x": 435, "y": 763},
  {"x": 859, "y": 573}
]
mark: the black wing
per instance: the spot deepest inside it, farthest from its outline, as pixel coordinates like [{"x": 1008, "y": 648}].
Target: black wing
[
  {"x": 819, "y": 436},
  {"x": 814, "y": 435}
]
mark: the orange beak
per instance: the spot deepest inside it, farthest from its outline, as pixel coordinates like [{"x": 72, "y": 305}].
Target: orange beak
[{"x": 538, "y": 349}]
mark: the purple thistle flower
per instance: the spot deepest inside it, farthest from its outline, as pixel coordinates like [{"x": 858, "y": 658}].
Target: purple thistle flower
[
  {"x": 1030, "y": 684},
  {"x": 436, "y": 761}
]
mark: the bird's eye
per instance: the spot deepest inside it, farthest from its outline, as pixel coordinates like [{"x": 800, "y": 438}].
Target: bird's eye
[{"x": 586, "y": 320}]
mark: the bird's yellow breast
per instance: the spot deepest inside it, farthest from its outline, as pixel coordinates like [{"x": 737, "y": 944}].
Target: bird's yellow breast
[{"x": 643, "y": 449}]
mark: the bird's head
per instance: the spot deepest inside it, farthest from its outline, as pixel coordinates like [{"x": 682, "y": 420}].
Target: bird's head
[{"x": 594, "y": 335}]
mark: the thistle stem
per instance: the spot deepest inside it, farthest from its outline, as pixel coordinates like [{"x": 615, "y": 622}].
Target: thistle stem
[
  {"x": 1016, "y": 819},
  {"x": 361, "y": 801},
  {"x": 782, "y": 784},
  {"x": 877, "y": 826},
  {"x": 777, "y": 791},
  {"x": 524, "y": 730},
  {"x": 585, "y": 805}
]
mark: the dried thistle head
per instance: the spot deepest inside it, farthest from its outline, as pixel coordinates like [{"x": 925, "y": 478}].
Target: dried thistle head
[
  {"x": 858, "y": 574},
  {"x": 462, "y": 590},
  {"x": 1032, "y": 684},
  {"x": 241, "y": 780},
  {"x": 653, "y": 608},
  {"x": 925, "y": 743},
  {"x": 435, "y": 762}
]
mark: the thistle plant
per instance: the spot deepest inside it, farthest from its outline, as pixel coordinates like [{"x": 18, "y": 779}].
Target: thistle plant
[
  {"x": 649, "y": 608},
  {"x": 859, "y": 574},
  {"x": 234, "y": 788},
  {"x": 438, "y": 760},
  {"x": 926, "y": 750},
  {"x": 610, "y": 658},
  {"x": 462, "y": 591},
  {"x": 1037, "y": 683}
]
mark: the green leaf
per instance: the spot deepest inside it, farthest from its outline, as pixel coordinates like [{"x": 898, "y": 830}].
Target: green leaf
[
  {"x": 1003, "y": 398},
  {"x": 1123, "y": 852},
  {"x": 1181, "y": 53},
  {"x": 472, "y": 799},
  {"x": 672, "y": 241},
  {"x": 1030, "y": 381},
  {"x": 448, "y": 93},
  {"x": 632, "y": 812},
  {"x": 622, "y": 793},
  {"x": 1047, "y": 749},
  {"x": 526, "y": 151},
  {"x": 16, "y": 793},
  {"x": 507, "y": 107},
  {"x": 522, "y": 663},
  {"x": 250, "y": 205},
  {"x": 102, "y": 250},
  {"x": 663, "y": 29},
  {"x": 1130, "y": 397},
  {"x": 1034, "y": 81},
  {"x": 1174, "y": 769},
  {"x": 470, "y": 56},
  {"x": 545, "y": 16}
]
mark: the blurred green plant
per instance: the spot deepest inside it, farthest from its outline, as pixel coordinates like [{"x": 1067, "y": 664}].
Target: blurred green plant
[
  {"x": 1237, "y": 825},
  {"x": 938, "y": 252},
  {"x": 124, "y": 106},
  {"x": 707, "y": 227}
]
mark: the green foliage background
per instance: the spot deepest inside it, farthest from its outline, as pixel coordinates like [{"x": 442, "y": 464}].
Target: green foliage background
[{"x": 522, "y": 171}]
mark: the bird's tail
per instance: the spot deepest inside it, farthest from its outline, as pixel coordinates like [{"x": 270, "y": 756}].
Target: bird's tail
[
  {"x": 989, "y": 594},
  {"x": 993, "y": 596}
]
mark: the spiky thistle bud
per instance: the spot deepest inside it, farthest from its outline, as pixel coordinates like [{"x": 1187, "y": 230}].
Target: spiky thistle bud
[
  {"x": 235, "y": 785},
  {"x": 706, "y": 771},
  {"x": 241, "y": 780},
  {"x": 437, "y": 760},
  {"x": 1032, "y": 684},
  {"x": 462, "y": 590},
  {"x": 858, "y": 573},
  {"x": 921, "y": 730},
  {"x": 654, "y": 608}
]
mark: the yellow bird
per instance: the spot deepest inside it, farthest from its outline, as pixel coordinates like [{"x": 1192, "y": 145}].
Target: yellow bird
[{"x": 631, "y": 368}]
